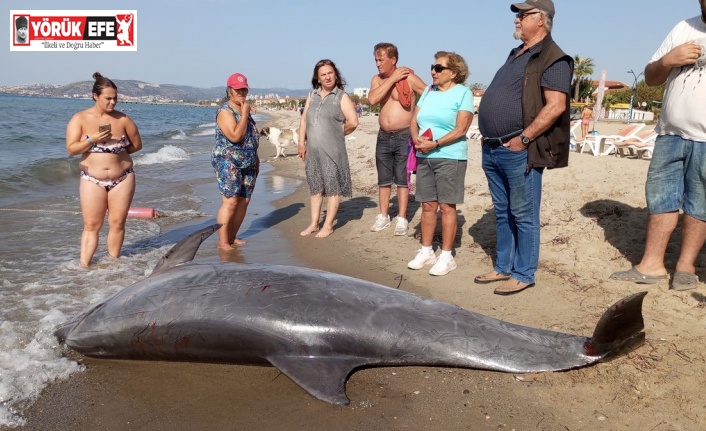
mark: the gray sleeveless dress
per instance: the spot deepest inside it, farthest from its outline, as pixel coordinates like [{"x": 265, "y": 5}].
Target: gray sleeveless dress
[{"x": 326, "y": 166}]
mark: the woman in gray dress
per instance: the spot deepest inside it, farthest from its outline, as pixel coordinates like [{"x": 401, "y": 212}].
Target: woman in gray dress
[{"x": 329, "y": 115}]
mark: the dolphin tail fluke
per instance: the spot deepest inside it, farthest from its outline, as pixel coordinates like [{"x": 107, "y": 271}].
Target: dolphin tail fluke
[
  {"x": 620, "y": 329},
  {"x": 185, "y": 250},
  {"x": 323, "y": 377}
]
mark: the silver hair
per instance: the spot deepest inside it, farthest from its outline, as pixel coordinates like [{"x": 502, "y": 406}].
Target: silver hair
[{"x": 548, "y": 23}]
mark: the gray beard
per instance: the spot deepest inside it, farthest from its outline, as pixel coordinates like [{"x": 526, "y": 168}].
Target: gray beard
[{"x": 516, "y": 35}]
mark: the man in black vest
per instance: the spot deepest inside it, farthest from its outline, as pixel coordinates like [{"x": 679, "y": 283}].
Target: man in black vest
[{"x": 525, "y": 127}]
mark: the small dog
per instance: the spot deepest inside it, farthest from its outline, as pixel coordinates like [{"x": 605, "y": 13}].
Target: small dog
[{"x": 280, "y": 138}]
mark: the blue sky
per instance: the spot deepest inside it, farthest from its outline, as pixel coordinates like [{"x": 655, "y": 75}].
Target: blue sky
[{"x": 276, "y": 43}]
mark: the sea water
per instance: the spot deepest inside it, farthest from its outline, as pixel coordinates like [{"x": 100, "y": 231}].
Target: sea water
[{"x": 41, "y": 283}]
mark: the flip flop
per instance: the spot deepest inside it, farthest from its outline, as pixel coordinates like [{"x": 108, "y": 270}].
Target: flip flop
[
  {"x": 636, "y": 276},
  {"x": 490, "y": 277},
  {"x": 684, "y": 281}
]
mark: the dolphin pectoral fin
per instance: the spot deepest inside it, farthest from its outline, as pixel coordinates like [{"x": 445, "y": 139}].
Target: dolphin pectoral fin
[
  {"x": 185, "y": 250},
  {"x": 323, "y": 377}
]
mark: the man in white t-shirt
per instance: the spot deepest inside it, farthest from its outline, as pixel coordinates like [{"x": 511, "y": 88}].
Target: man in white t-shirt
[{"x": 676, "y": 179}]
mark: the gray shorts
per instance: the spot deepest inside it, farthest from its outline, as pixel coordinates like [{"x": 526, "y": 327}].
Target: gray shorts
[
  {"x": 391, "y": 157},
  {"x": 440, "y": 180}
]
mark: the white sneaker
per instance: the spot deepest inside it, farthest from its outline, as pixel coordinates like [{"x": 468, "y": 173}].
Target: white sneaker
[
  {"x": 381, "y": 222},
  {"x": 401, "y": 226},
  {"x": 422, "y": 258},
  {"x": 443, "y": 266}
]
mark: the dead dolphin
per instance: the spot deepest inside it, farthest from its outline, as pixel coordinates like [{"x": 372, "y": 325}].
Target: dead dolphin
[{"x": 318, "y": 327}]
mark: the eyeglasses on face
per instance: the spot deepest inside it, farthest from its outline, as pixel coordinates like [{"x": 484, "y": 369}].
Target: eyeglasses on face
[
  {"x": 522, "y": 15},
  {"x": 439, "y": 68}
]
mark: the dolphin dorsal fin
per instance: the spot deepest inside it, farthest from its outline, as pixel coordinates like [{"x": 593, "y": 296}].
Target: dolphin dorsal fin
[
  {"x": 324, "y": 377},
  {"x": 185, "y": 250}
]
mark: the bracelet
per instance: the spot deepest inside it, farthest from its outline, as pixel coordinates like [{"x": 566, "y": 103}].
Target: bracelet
[
  {"x": 93, "y": 144},
  {"x": 437, "y": 143}
]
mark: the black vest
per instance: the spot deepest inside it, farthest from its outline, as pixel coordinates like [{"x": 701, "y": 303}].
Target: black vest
[{"x": 551, "y": 149}]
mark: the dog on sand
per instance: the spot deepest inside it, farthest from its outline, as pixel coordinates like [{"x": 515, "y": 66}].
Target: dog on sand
[{"x": 280, "y": 138}]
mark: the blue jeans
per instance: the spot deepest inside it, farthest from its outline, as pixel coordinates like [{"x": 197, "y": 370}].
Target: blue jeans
[{"x": 517, "y": 196}]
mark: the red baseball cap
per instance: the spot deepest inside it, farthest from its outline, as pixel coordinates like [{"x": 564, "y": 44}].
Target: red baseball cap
[{"x": 237, "y": 81}]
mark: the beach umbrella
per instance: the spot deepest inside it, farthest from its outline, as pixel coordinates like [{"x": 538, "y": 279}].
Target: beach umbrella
[{"x": 598, "y": 109}]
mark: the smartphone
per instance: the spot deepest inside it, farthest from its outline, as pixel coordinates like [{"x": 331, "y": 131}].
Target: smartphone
[{"x": 103, "y": 127}]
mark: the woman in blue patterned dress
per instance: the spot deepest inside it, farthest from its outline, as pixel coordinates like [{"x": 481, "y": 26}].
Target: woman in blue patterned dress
[
  {"x": 235, "y": 160},
  {"x": 329, "y": 115}
]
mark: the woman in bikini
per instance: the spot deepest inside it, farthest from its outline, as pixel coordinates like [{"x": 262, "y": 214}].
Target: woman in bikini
[
  {"x": 104, "y": 138},
  {"x": 586, "y": 115}
]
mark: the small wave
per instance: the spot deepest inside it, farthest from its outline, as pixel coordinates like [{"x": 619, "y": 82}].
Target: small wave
[
  {"x": 48, "y": 172},
  {"x": 166, "y": 154},
  {"x": 177, "y": 135},
  {"x": 205, "y": 132},
  {"x": 207, "y": 126}
]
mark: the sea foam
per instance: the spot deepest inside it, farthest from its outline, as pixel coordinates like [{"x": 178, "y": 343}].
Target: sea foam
[{"x": 166, "y": 154}]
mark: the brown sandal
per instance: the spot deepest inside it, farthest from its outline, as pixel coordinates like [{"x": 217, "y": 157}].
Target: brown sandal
[
  {"x": 490, "y": 277},
  {"x": 511, "y": 287}
]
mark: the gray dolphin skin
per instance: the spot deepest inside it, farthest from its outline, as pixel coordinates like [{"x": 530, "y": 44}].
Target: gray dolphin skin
[{"x": 318, "y": 327}]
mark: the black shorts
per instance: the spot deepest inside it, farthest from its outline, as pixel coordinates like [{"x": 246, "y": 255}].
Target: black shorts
[{"x": 391, "y": 157}]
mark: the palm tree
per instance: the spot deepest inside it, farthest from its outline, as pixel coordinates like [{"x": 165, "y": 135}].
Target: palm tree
[{"x": 582, "y": 67}]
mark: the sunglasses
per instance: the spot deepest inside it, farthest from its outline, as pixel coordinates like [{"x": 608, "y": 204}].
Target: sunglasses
[
  {"x": 522, "y": 16},
  {"x": 439, "y": 68}
]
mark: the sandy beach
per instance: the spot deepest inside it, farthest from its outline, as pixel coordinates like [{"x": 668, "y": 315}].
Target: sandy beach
[{"x": 593, "y": 223}]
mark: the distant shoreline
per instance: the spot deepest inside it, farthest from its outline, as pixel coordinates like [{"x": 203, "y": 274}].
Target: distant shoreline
[{"x": 33, "y": 96}]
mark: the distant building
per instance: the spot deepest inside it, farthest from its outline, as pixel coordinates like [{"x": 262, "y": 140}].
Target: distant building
[
  {"x": 610, "y": 86},
  {"x": 361, "y": 92},
  {"x": 279, "y": 102}
]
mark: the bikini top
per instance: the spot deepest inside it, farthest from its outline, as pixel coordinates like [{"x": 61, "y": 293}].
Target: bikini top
[{"x": 114, "y": 146}]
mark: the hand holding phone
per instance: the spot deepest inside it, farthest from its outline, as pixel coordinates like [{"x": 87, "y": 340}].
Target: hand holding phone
[{"x": 103, "y": 128}]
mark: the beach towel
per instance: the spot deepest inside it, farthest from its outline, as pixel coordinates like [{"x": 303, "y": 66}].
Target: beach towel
[
  {"x": 404, "y": 92},
  {"x": 412, "y": 153},
  {"x": 411, "y": 157},
  {"x": 411, "y": 166}
]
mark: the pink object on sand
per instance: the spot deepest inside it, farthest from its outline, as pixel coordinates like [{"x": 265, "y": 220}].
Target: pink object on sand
[{"x": 141, "y": 212}]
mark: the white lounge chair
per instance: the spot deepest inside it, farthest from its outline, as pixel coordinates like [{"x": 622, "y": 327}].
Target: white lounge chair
[
  {"x": 473, "y": 133},
  {"x": 603, "y": 145},
  {"x": 641, "y": 144},
  {"x": 573, "y": 143}
]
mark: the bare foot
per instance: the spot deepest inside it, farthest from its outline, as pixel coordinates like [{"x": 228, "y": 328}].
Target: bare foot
[
  {"x": 309, "y": 230},
  {"x": 239, "y": 241},
  {"x": 225, "y": 247},
  {"x": 325, "y": 231}
]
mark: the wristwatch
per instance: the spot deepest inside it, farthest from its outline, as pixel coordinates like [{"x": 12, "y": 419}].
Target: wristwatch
[{"x": 525, "y": 140}]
